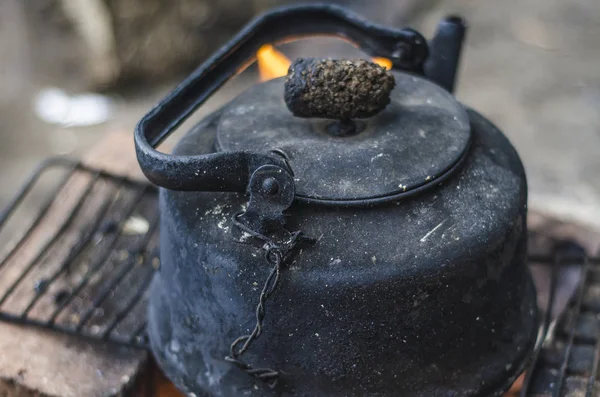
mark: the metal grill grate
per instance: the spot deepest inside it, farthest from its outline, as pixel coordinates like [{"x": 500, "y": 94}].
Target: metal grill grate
[
  {"x": 85, "y": 271},
  {"x": 88, "y": 275},
  {"x": 566, "y": 362}
]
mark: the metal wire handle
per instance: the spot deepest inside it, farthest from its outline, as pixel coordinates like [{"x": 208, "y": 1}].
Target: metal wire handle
[
  {"x": 230, "y": 171},
  {"x": 276, "y": 255}
]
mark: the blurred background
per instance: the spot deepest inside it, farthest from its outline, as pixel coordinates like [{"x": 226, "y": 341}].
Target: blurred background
[{"x": 72, "y": 71}]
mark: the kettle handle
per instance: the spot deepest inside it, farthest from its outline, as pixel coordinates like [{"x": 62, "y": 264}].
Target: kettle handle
[{"x": 231, "y": 171}]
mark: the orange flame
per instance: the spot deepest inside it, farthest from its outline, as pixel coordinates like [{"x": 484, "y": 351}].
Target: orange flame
[
  {"x": 386, "y": 63},
  {"x": 271, "y": 63}
]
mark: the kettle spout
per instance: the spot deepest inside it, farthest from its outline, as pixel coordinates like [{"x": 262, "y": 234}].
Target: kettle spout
[{"x": 446, "y": 46}]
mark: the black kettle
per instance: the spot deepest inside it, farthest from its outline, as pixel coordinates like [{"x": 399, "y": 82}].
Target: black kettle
[{"x": 343, "y": 231}]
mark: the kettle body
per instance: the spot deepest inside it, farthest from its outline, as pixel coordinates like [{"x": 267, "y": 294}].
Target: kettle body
[
  {"x": 382, "y": 254},
  {"x": 408, "y": 298}
]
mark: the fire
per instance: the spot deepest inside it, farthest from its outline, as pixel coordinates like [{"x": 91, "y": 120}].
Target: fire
[
  {"x": 273, "y": 63},
  {"x": 386, "y": 63}
]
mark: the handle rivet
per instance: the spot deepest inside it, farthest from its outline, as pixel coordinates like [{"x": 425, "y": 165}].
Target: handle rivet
[{"x": 270, "y": 186}]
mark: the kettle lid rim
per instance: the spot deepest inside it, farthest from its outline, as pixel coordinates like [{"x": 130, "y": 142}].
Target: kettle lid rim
[{"x": 418, "y": 141}]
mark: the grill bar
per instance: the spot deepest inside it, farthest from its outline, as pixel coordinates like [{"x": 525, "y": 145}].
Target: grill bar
[
  {"x": 122, "y": 197},
  {"x": 76, "y": 251},
  {"x": 545, "y": 320},
  {"x": 44, "y": 210},
  {"x": 30, "y": 184},
  {"x": 130, "y": 305},
  {"x": 577, "y": 310},
  {"x": 591, "y": 383},
  {"x": 566, "y": 260},
  {"x": 118, "y": 339},
  {"x": 104, "y": 294},
  {"x": 53, "y": 240},
  {"x": 114, "y": 283},
  {"x": 98, "y": 264}
]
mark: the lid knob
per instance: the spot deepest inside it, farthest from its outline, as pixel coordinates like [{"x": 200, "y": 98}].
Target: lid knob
[{"x": 337, "y": 89}]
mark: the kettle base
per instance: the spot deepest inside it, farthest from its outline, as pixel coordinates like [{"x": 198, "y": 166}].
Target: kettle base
[{"x": 498, "y": 378}]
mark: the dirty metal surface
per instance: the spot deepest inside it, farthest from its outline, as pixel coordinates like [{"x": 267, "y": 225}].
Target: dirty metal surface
[{"x": 96, "y": 288}]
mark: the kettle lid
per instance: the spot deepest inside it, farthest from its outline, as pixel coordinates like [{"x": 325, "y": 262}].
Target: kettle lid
[{"x": 414, "y": 143}]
